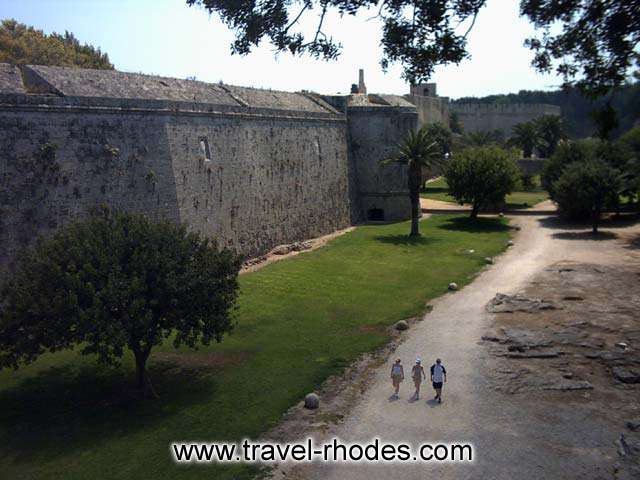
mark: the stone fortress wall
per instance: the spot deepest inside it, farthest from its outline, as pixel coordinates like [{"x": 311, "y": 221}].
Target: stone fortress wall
[
  {"x": 489, "y": 116},
  {"x": 251, "y": 168}
]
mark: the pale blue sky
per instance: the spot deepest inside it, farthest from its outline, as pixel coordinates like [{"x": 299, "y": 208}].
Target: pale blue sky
[{"x": 166, "y": 37}]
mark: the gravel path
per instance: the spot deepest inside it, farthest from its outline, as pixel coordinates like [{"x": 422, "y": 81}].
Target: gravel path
[{"x": 513, "y": 438}]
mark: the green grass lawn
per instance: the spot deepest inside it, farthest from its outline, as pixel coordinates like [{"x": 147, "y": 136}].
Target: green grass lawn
[
  {"x": 298, "y": 321},
  {"x": 438, "y": 190}
]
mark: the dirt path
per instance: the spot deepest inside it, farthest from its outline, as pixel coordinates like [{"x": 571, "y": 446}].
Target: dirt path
[{"x": 512, "y": 439}]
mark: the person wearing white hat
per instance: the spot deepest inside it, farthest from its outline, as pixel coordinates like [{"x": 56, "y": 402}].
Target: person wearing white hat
[{"x": 417, "y": 373}]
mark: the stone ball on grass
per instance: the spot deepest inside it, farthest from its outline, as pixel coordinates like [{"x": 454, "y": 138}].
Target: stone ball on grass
[
  {"x": 311, "y": 401},
  {"x": 402, "y": 325}
]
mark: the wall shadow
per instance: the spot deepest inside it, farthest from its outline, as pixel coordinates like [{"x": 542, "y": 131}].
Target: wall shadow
[
  {"x": 65, "y": 410},
  {"x": 475, "y": 225}
]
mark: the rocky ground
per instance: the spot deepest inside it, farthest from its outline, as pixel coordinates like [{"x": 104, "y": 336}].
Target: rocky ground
[{"x": 575, "y": 329}]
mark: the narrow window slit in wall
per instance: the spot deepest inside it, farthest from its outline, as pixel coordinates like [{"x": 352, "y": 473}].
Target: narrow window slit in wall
[{"x": 204, "y": 149}]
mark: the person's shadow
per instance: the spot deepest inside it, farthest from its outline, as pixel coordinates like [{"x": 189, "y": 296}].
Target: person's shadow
[{"x": 432, "y": 402}]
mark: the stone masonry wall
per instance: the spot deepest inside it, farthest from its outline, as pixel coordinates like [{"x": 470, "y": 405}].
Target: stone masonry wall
[
  {"x": 486, "y": 117},
  {"x": 430, "y": 109},
  {"x": 374, "y": 134},
  {"x": 269, "y": 178}
]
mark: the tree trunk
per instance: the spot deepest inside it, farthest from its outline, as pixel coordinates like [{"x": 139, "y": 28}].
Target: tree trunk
[
  {"x": 415, "y": 178},
  {"x": 595, "y": 219},
  {"x": 475, "y": 210},
  {"x": 141, "y": 373}
]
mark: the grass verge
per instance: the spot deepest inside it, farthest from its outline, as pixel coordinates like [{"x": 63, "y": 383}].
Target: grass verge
[
  {"x": 438, "y": 190},
  {"x": 299, "y": 321}
]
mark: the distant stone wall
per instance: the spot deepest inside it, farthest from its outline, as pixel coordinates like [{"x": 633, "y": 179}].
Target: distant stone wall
[
  {"x": 487, "y": 117},
  {"x": 251, "y": 179},
  {"x": 430, "y": 109}
]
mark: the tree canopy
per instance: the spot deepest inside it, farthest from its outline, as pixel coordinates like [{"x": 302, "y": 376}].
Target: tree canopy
[
  {"x": 21, "y": 44},
  {"x": 482, "y": 176},
  {"x": 113, "y": 282},
  {"x": 585, "y": 189},
  {"x": 596, "y": 47}
]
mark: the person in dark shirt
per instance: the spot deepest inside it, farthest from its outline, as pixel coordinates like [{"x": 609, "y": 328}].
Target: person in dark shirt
[{"x": 438, "y": 377}]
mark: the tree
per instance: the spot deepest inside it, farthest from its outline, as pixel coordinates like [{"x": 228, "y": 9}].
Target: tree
[
  {"x": 525, "y": 136},
  {"x": 630, "y": 143},
  {"x": 419, "y": 34},
  {"x": 441, "y": 134},
  {"x": 591, "y": 43},
  {"x": 550, "y": 133},
  {"x": 482, "y": 176},
  {"x": 585, "y": 189},
  {"x": 597, "y": 42},
  {"x": 481, "y": 138},
  {"x": 419, "y": 152},
  {"x": 565, "y": 154},
  {"x": 21, "y": 44},
  {"x": 117, "y": 281},
  {"x": 605, "y": 119},
  {"x": 454, "y": 121}
]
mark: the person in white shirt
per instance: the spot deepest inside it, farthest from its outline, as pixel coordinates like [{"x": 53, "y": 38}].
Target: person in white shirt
[
  {"x": 438, "y": 377},
  {"x": 417, "y": 373},
  {"x": 397, "y": 376}
]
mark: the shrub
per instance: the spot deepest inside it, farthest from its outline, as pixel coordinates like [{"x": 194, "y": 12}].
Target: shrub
[
  {"x": 565, "y": 154},
  {"x": 585, "y": 189},
  {"x": 482, "y": 176}
]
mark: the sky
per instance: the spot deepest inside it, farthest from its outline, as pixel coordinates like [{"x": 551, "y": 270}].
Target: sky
[{"x": 166, "y": 37}]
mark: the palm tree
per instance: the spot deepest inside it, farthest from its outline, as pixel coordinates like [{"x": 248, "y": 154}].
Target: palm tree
[
  {"x": 550, "y": 132},
  {"x": 525, "y": 136},
  {"x": 482, "y": 138},
  {"x": 418, "y": 151}
]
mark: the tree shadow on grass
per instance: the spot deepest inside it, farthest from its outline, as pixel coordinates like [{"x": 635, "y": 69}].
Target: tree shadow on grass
[
  {"x": 611, "y": 222},
  {"x": 405, "y": 240},
  {"x": 68, "y": 409},
  {"x": 585, "y": 235},
  {"x": 475, "y": 225}
]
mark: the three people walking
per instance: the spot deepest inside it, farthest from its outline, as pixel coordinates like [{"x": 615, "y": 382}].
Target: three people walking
[{"x": 438, "y": 377}]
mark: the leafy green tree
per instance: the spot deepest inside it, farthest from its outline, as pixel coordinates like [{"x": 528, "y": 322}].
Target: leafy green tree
[
  {"x": 21, "y": 44},
  {"x": 419, "y": 152},
  {"x": 117, "y": 281},
  {"x": 525, "y": 136},
  {"x": 550, "y": 132},
  {"x": 632, "y": 140},
  {"x": 441, "y": 134},
  {"x": 591, "y": 43},
  {"x": 598, "y": 40},
  {"x": 482, "y": 176},
  {"x": 565, "y": 154},
  {"x": 419, "y": 34},
  {"x": 454, "y": 121},
  {"x": 630, "y": 143},
  {"x": 585, "y": 189}
]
